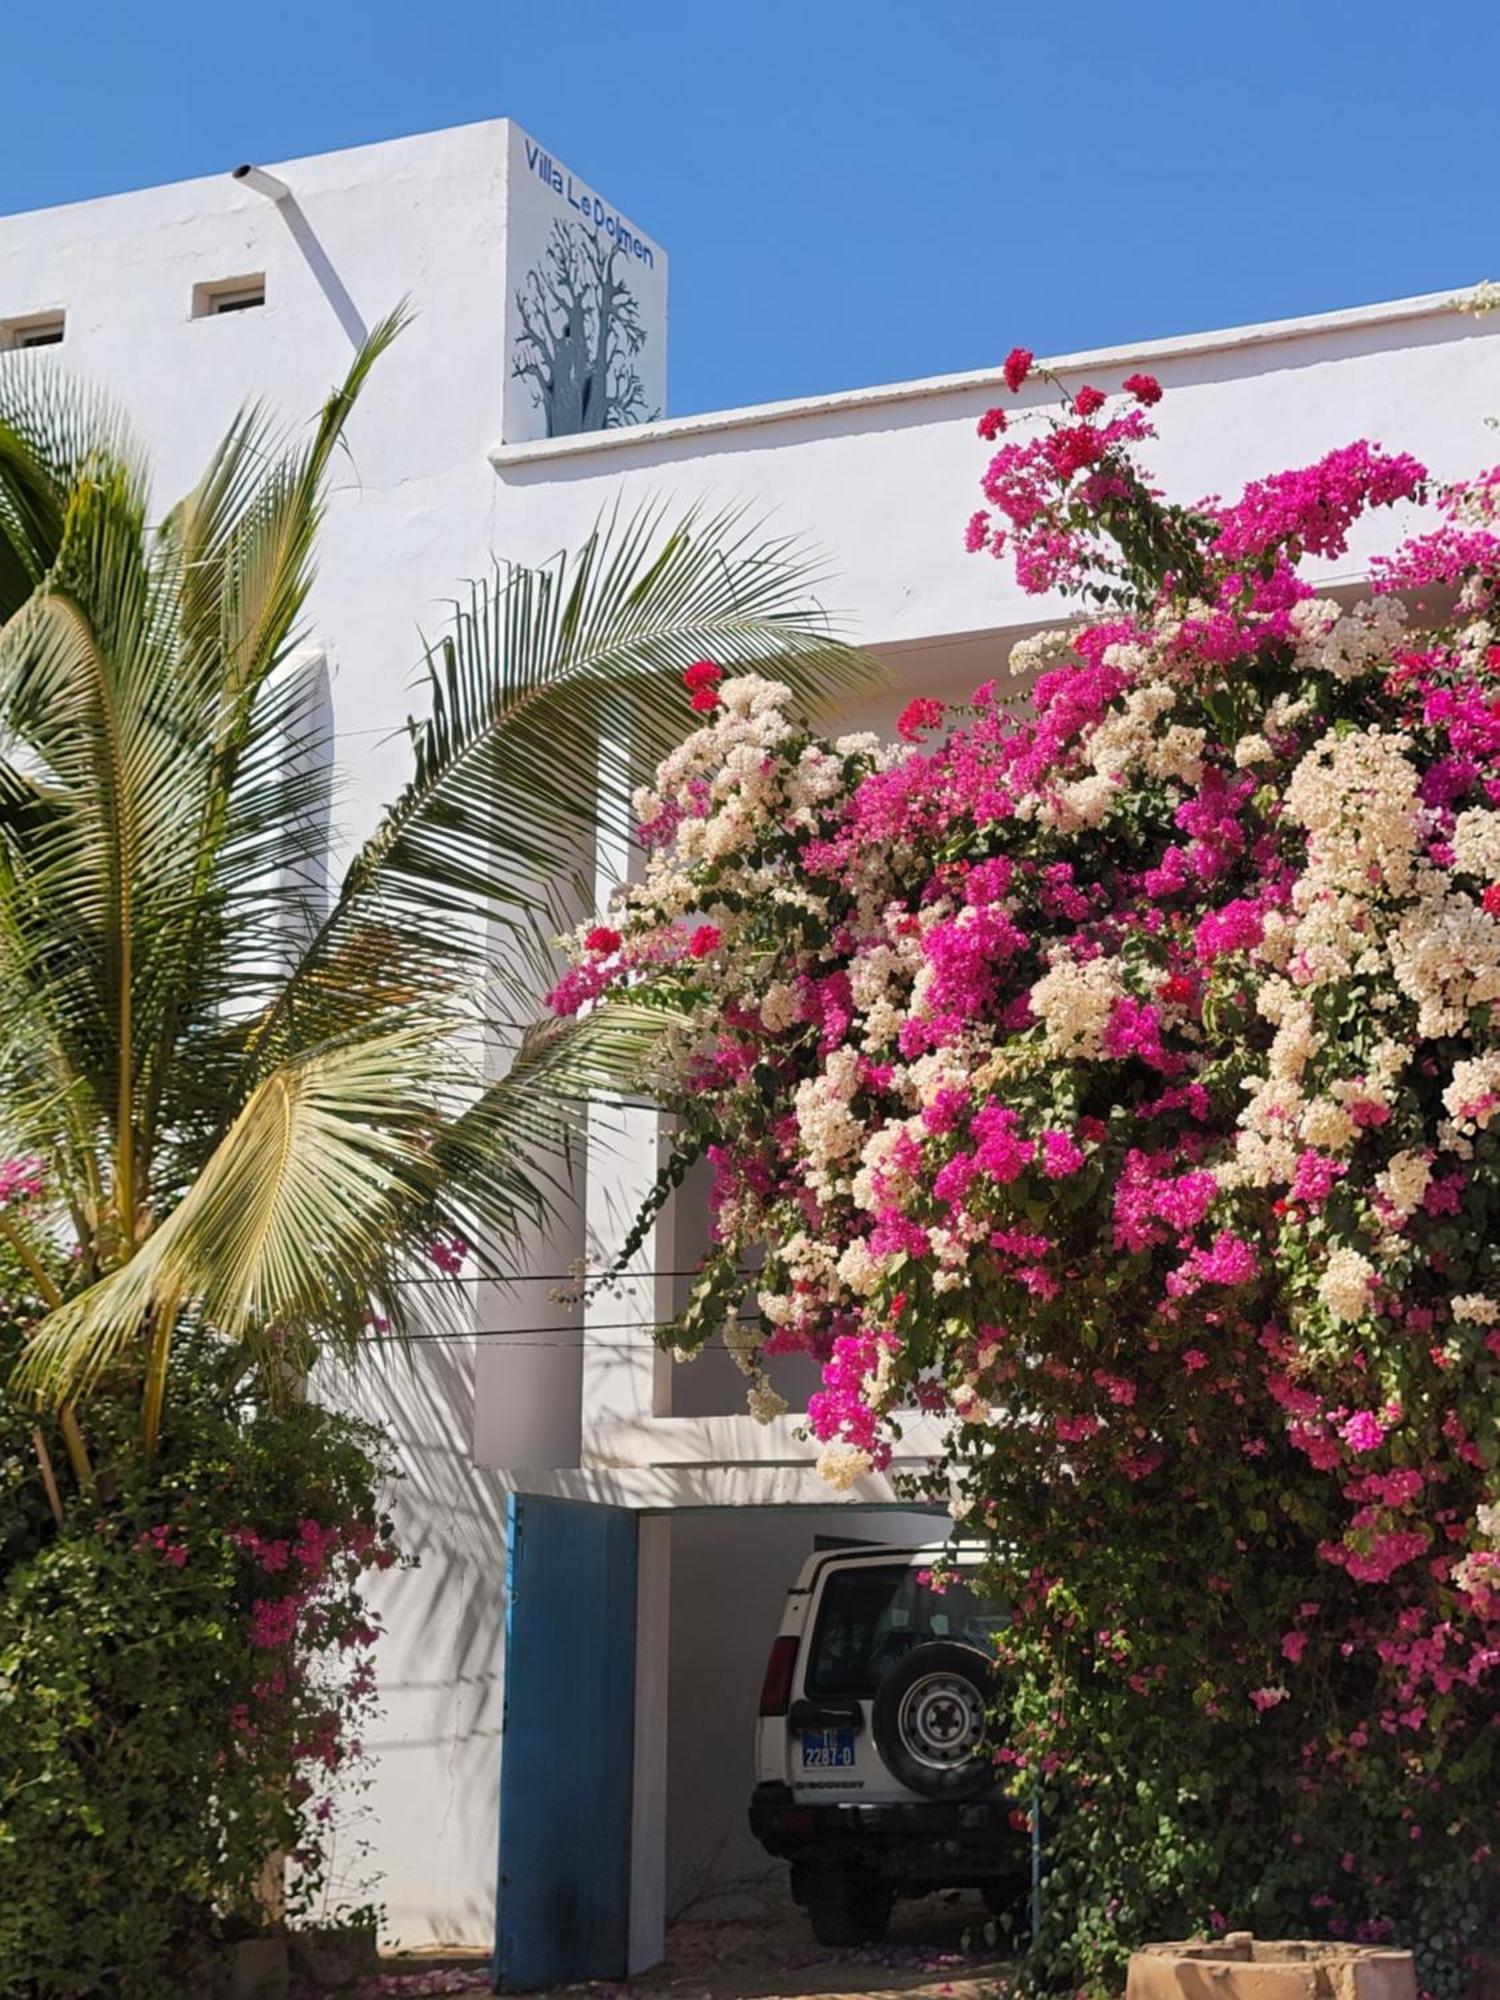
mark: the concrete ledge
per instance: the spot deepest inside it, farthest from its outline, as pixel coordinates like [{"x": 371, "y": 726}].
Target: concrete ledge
[
  {"x": 1172, "y": 347},
  {"x": 1242, "y": 1967}
]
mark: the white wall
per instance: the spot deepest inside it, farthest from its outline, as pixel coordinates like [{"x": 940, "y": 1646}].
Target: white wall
[
  {"x": 431, "y": 1813},
  {"x": 418, "y": 218},
  {"x": 881, "y": 482}
]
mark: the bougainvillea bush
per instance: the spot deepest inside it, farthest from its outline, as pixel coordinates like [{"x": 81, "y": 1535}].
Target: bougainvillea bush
[
  {"x": 1115, "y": 1071},
  {"x": 185, "y": 1670}
]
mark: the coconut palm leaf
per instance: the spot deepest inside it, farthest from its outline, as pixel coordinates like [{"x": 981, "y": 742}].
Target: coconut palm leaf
[
  {"x": 515, "y": 1145},
  {"x": 85, "y": 680},
  {"x": 607, "y": 1052},
  {"x": 50, "y": 428},
  {"x": 557, "y": 692},
  {"x": 306, "y": 1194},
  {"x": 239, "y": 554},
  {"x": 243, "y": 543},
  {"x": 148, "y": 821}
]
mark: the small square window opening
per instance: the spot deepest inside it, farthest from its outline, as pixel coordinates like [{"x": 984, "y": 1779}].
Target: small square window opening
[
  {"x": 229, "y": 295},
  {"x": 32, "y": 330}
]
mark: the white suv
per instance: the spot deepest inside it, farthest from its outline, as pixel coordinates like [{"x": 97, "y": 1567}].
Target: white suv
[{"x": 876, "y": 1766}]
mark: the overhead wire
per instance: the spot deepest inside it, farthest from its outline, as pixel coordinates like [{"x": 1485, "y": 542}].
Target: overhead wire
[
  {"x": 548, "y": 1277},
  {"x": 539, "y": 1336}
]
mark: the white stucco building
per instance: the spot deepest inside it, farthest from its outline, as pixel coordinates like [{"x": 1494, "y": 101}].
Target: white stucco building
[{"x": 460, "y": 452}]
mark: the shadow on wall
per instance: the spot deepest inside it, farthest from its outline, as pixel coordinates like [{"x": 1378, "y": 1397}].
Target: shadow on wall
[
  {"x": 431, "y": 1813},
  {"x": 306, "y": 238}
]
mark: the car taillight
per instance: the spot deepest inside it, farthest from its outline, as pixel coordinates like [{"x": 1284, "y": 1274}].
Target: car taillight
[{"x": 776, "y": 1688}]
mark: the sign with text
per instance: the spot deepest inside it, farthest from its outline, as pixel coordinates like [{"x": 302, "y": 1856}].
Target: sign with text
[{"x": 585, "y": 309}]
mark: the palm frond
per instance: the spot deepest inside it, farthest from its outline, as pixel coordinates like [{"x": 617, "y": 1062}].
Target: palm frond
[
  {"x": 260, "y": 1117},
  {"x": 556, "y": 693},
  {"x": 611, "y": 1051},
  {"x": 243, "y": 542},
  {"x": 513, "y": 1152},
  {"x": 236, "y": 560},
  {"x": 306, "y": 1197},
  {"x": 51, "y": 427},
  {"x": 86, "y": 873}
]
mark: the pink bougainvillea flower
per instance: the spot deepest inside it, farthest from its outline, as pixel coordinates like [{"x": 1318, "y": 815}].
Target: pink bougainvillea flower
[
  {"x": 273, "y": 1621},
  {"x": 449, "y": 1254},
  {"x": 1017, "y": 367},
  {"x": 1364, "y": 1431},
  {"x": 1061, "y": 1156},
  {"x": 1145, "y": 388},
  {"x": 1264, "y": 1698},
  {"x": 702, "y": 680},
  {"x": 1314, "y": 507},
  {"x": 1317, "y": 1175},
  {"x": 918, "y": 717},
  {"x": 20, "y": 1179}
]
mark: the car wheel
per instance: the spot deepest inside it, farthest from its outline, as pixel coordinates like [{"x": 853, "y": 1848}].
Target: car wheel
[
  {"x": 848, "y": 1905},
  {"x": 931, "y": 1721}
]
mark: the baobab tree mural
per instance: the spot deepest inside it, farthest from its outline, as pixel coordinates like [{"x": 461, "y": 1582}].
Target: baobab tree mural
[{"x": 581, "y": 331}]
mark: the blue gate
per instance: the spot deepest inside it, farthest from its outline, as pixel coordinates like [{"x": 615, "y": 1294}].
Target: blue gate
[{"x": 568, "y": 1744}]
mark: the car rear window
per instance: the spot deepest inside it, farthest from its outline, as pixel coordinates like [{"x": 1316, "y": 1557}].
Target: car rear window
[{"x": 873, "y": 1615}]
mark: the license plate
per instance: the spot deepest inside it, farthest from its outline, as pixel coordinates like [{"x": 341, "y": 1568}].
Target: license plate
[{"x": 827, "y": 1749}]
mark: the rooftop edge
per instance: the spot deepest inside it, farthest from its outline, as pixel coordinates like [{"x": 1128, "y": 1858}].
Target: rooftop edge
[{"x": 1429, "y": 305}]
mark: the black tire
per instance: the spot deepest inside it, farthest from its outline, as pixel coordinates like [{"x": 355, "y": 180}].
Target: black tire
[
  {"x": 847, "y": 1905},
  {"x": 931, "y": 1721}
]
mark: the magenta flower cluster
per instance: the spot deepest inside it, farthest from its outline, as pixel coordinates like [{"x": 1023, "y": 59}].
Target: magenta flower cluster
[{"x": 1117, "y": 1077}]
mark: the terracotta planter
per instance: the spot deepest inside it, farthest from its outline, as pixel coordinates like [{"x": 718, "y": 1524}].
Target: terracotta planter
[{"x": 1242, "y": 1967}]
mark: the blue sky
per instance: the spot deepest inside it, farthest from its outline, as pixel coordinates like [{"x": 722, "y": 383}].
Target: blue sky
[{"x": 855, "y": 193}]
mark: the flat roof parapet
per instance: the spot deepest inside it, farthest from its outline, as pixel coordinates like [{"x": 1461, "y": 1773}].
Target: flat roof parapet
[{"x": 1392, "y": 312}]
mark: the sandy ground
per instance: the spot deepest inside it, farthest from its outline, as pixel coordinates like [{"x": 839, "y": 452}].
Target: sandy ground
[{"x": 935, "y": 1951}]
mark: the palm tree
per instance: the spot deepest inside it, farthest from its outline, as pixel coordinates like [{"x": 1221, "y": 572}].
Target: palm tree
[{"x": 258, "y": 1109}]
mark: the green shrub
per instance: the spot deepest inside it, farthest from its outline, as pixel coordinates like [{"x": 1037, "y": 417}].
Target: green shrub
[{"x": 183, "y": 1667}]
